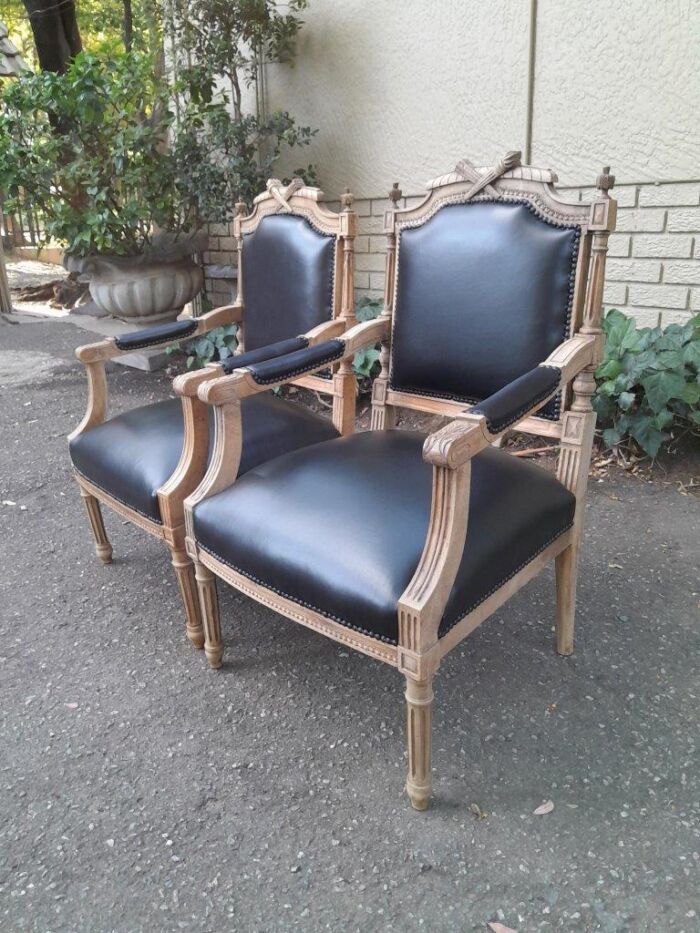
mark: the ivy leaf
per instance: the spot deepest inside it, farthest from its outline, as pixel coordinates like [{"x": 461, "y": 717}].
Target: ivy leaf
[
  {"x": 661, "y": 387},
  {"x": 646, "y": 435},
  {"x": 626, "y": 400}
]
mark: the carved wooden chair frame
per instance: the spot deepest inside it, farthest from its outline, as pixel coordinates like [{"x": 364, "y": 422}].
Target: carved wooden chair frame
[
  {"x": 449, "y": 450},
  {"x": 295, "y": 198}
]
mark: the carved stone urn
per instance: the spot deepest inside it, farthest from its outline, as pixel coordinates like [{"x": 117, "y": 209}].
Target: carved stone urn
[{"x": 141, "y": 292}]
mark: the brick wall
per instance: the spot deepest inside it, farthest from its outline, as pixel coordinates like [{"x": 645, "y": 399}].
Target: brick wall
[{"x": 653, "y": 263}]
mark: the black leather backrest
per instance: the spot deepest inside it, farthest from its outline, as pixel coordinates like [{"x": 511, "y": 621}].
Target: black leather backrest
[
  {"x": 484, "y": 294},
  {"x": 287, "y": 279}
]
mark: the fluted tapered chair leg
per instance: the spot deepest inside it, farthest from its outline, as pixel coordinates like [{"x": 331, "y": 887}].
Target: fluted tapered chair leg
[
  {"x": 566, "y": 571},
  {"x": 209, "y": 606},
  {"x": 419, "y": 709},
  {"x": 184, "y": 570},
  {"x": 103, "y": 548}
]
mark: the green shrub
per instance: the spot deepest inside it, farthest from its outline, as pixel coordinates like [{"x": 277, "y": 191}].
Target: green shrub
[{"x": 648, "y": 383}]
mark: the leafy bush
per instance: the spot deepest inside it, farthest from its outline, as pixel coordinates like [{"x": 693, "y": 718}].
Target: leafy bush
[
  {"x": 114, "y": 150},
  {"x": 648, "y": 382}
]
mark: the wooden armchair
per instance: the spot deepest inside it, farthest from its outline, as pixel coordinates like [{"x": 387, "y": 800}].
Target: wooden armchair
[
  {"x": 399, "y": 545},
  {"x": 296, "y": 258}
]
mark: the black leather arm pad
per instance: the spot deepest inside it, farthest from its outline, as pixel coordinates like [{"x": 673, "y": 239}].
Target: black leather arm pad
[
  {"x": 150, "y": 336},
  {"x": 520, "y": 396},
  {"x": 295, "y": 364},
  {"x": 270, "y": 352}
]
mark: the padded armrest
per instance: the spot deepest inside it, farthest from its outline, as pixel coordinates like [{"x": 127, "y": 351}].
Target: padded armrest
[
  {"x": 270, "y": 352},
  {"x": 296, "y": 363},
  {"x": 173, "y": 330},
  {"x": 519, "y": 397}
]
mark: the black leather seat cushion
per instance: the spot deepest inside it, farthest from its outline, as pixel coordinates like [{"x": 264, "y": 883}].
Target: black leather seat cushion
[
  {"x": 341, "y": 527},
  {"x": 132, "y": 455},
  {"x": 484, "y": 294},
  {"x": 287, "y": 273}
]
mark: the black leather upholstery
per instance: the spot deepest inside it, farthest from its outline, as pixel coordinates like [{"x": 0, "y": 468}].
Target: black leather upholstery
[
  {"x": 295, "y": 364},
  {"x": 519, "y": 397},
  {"x": 484, "y": 294},
  {"x": 149, "y": 336},
  {"x": 132, "y": 455},
  {"x": 340, "y": 527},
  {"x": 287, "y": 273},
  {"x": 281, "y": 348}
]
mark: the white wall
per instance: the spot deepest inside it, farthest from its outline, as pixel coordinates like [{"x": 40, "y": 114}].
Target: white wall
[{"x": 402, "y": 90}]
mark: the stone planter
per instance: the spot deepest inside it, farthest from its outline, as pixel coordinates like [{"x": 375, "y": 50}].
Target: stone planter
[{"x": 142, "y": 292}]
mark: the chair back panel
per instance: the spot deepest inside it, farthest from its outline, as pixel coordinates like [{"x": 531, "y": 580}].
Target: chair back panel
[
  {"x": 484, "y": 292},
  {"x": 287, "y": 272}
]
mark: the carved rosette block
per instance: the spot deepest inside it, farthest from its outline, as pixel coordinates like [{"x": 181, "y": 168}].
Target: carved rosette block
[
  {"x": 419, "y": 707},
  {"x": 103, "y": 548}
]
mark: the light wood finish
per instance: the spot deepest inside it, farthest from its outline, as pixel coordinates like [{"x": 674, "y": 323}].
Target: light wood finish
[
  {"x": 450, "y": 449},
  {"x": 209, "y": 606},
  {"x": 103, "y": 548},
  {"x": 190, "y": 471},
  {"x": 184, "y": 570},
  {"x": 419, "y": 731},
  {"x": 383, "y": 413}
]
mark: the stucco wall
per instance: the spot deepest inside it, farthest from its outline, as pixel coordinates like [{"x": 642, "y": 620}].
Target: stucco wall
[{"x": 401, "y": 91}]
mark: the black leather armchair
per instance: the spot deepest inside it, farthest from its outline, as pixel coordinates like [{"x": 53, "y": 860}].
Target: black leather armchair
[
  {"x": 399, "y": 545},
  {"x": 295, "y": 257}
]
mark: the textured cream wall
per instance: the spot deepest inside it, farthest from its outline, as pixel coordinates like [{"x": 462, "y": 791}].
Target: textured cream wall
[
  {"x": 401, "y": 90},
  {"x": 618, "y": 82}
]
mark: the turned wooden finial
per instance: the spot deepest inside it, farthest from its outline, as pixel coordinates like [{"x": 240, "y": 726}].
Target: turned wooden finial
[
  {"x": 241, "y": 208},
  {"x": 346, "y": 199},
  {"x": 605, "y": 181},
  {"x": 395, "y": 194}
]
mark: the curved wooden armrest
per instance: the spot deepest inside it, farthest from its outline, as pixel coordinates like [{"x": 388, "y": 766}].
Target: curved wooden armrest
[
  {"x": 261, "y": 377},
  {"x": 156, "y": 336},
  {"x": 474, "y": 429}
]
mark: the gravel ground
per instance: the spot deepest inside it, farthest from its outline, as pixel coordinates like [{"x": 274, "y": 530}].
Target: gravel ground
[{"x": 141, "y": 791}]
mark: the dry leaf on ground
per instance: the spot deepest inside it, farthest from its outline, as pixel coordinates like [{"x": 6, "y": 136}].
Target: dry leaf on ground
[
  {"x": 497, "y": 927},
  {"x": 545, "y": 807}
]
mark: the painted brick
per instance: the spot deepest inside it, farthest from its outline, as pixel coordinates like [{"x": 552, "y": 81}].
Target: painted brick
[
  {"x": 219, "y": 229},
  {"x": 695, "y": 299},
  {"x": 376, "y": 281},
  {"x": 369, "y": 262},
  {"x": 675, "y": 317},
  {"x": 682, "y": 273},
  {"x": 645, "y": 317},
  {"x": 379, "y": 206},
  {"x": 372, "y": 225},
  {"x": 640, "y": 221},
  {"x": 619, "y": 245},
  {"x": 227, "y": 243},
  {"x": 658, "y": 296},
  {"x": 673, "y": 195},
  {"x": 362, "y": 280},
  {"x": 361, "y": 244},
  {"x": 615, "y": 294},
  {"x": 625, "y": 195},
  {"x": 684, "y": 221},
  {"x": 363, "y": 208},
  {"x": 633, "y": 270},
  {"x": 663, "y": 245}
]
